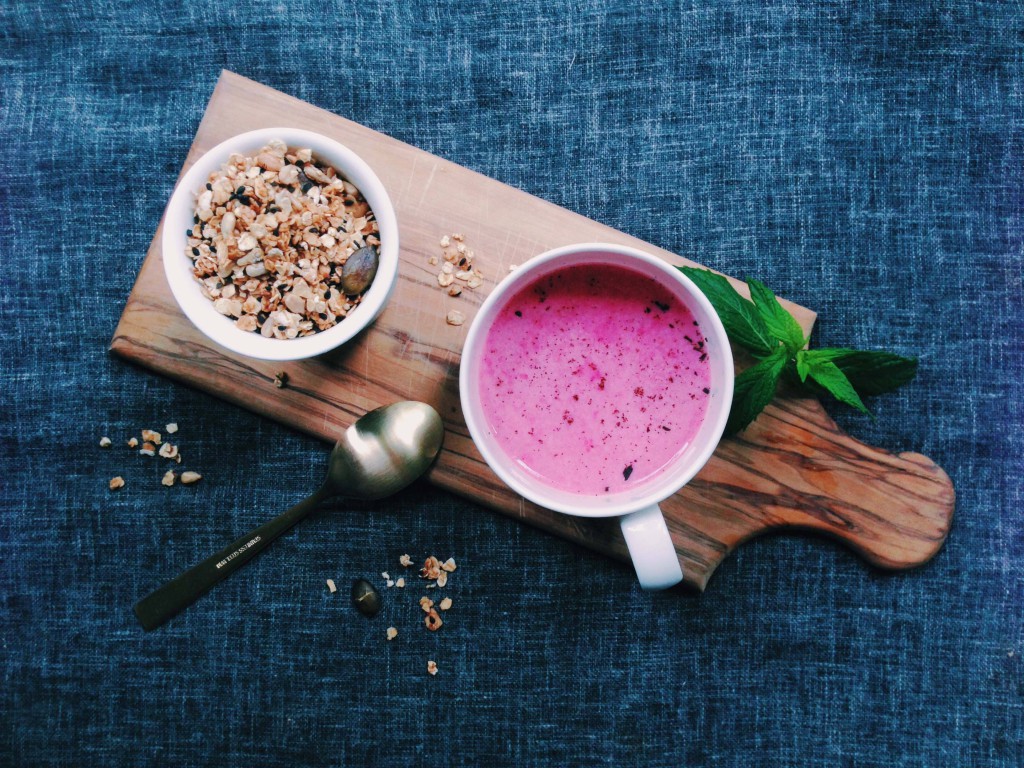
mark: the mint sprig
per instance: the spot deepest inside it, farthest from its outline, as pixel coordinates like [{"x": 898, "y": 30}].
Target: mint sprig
[{"x": 763, "y": 327}]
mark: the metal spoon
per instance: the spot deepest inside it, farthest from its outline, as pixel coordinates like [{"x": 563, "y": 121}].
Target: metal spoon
[{"x": 380, "y": 454}]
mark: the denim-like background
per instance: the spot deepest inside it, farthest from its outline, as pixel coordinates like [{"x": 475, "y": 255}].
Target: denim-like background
[{"x": 864, "y": 159}]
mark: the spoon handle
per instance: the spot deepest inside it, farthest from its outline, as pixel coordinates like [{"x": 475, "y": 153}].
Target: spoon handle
[{"x": 183, "y": 590}]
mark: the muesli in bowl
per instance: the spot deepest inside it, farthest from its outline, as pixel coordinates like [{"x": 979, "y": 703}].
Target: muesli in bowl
[{"x": 289, "y": 246}]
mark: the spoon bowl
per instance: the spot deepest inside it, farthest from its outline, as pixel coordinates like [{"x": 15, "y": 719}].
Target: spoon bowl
[
  {"x": 385, "y": 451},
  {"x": 379, "y": 455}
]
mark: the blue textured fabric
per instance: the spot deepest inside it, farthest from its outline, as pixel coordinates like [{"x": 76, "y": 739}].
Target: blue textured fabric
[{"x": 863, "y": 159}]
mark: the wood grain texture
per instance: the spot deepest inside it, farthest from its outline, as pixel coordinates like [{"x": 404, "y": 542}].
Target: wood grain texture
[{"x": 792, "y": 469}]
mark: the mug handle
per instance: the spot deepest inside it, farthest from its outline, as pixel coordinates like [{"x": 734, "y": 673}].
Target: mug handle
[{"x": 651, "y": 548}]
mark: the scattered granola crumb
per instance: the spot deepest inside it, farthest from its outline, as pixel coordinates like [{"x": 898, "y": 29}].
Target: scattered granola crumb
[
  {"x": 169, "y": 451},
  {"x": 454, "y": 291},
  {"x": 433, "y": 621},
  {"x": 171, "y": 428},
  {"x": 148, "y": 449},
  {"x": 281, "y": 379},
  {"x": 133, "y": 442},
  {"x": 104, "y": 442},
  {"x": 385, "y": 575},
  {"x": 390, "y": 583},
  {"x": 445, "y": 604},
  {"x": 116, "y": 482},
  {"x": 400, "y": 582},
  {"x": 149, "y": 436},
  {"x": 168, "y": 478},
  {"x": 458, "y": 236},
  {"x": 330, "y": 586},
  {"x": 188, "y": 478},
  {"x": 455, "y": 318},
  {"x": 442, "y": 579},
  {"x": 392, "y": 633},
  {"x": 426, "y": 604},
  {"x": 449, "y": 565},
  {"x": 446, "y": 241},
  {"x": 405, "y": 560},
  {"x": 513, "y": 267},
  {"x": 432, "y": 261},
  {"x": 432, "y": 667}
]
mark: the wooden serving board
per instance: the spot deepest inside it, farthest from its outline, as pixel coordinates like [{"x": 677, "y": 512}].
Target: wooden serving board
[{"x": 792, "y": 469}]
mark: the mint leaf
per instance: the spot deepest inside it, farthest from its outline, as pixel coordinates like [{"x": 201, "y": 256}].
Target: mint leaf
[
  {"x": 740, "y": 317},
  {"x": 803, "y": 364},
  {"x": 777, "y": 320},
  {"x": 754, "y": 389},
  {"x": 831, "y": 377},
  {"x": 870, "y": 372}
]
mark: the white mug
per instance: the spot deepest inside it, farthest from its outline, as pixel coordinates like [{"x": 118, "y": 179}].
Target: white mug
[{"x": 643, "y": 525}]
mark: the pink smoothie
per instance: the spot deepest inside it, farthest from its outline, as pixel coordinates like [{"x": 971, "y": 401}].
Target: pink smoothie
[{"x": 594, "y": 378}]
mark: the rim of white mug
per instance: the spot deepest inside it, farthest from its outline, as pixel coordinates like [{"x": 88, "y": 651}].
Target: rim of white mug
[{"x": 681, "y": 470}]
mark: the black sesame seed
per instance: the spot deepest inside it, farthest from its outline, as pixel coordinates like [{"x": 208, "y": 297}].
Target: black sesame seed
[
  {"x": 627, "y": 472},
  {"x": 518, "y": 313},
  {"x": 209, "y": 186},
  {"x": 240, "y": 191},
  {"x": 707, "y": 391},
  {"x": 323, "y": 315},
  {"x": 307, "y": 186},
  {"x": 195, "y": 251}
]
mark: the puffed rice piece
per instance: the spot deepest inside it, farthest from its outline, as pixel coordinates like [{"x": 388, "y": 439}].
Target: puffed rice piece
[
  {"x": 405, "y": 560},
  {"x": 188, "y": 478},
  {"x": 171, "y": 428},
  {"x": 331, "y": 587},
  {"x": 432, "y": 667},
  {"x": 392, "y": 633},
  {"x": 168, "y": 478},
  {"x": 116, "y": 482},
  {"x": 445, "y": 604},
  {"x": 105, "y": 442}
]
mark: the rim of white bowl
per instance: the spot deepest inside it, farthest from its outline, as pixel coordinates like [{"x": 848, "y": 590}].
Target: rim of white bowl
[{"x": 199, "y": 309}]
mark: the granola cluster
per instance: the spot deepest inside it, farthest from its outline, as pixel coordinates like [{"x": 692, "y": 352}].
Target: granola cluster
[
  {"x": 272, "y": 234},
  {"x": 457, "y": 268}
]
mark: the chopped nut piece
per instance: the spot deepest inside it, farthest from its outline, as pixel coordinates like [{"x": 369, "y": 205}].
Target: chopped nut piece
[
  {"x": 442, "y": 579},
  {"x": 449, "y": 565},
  {"x": 405, "y": 560},
  {"x": 392, "y": 633},
  {"x": 454, "y": 291},
  {"x": 171, "y": 428},
  {"x": 148, "y": 449},
  {"x": 433, "y": 621},
  {"x": 132, "y": 442},
  {"x": 116, "y": 482},
  {"x": 446, "y": 241},
  {"x": 426, "y": 604},
  {"x": 169, "y": 451},
  {"x": 168, "y": 478},
  {"x": 149, "y": 436},
  {"x": 400, "y": 583},
  {"x": 432, "y": 667},
  {"x": 445, "y": 604},
  {"x": 331, "y": 587},
  {"x": 188, "y": 478},
  {"x": 455, "y": 318},
  {"x": 104, "y": 442}
]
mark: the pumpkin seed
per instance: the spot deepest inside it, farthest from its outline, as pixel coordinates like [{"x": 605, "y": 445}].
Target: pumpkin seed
[
  {"x": 359, "y": 270},
  {"x": 365, "y": 597}
]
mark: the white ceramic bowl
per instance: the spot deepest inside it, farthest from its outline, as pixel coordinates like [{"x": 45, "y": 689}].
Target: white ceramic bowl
[{"x": 222, "y": 330}]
